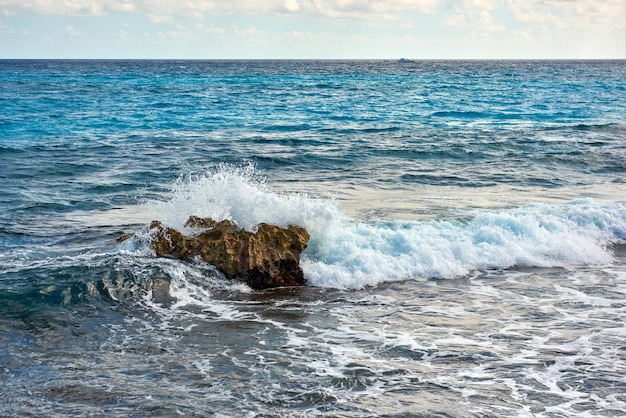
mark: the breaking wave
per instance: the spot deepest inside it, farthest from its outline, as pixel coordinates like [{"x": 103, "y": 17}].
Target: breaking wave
[{"x": 344, "y": 252}]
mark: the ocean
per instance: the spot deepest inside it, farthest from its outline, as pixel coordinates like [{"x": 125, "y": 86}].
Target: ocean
[{"x": 467, "y": 254}]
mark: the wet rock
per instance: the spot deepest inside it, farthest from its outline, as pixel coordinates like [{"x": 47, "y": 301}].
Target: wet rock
[{"x": 270, "y": 257}]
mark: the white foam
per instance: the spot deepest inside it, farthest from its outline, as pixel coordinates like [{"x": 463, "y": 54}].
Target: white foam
[
  {"x": 354, "y": 255},
  {"x": 240, "y": 195},
  {"x": 346, "y": 253}
]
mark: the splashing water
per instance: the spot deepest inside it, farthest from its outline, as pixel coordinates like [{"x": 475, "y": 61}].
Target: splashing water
[{"x": 347, "y": 253}]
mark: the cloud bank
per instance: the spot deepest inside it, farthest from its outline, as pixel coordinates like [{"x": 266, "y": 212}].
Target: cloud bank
[
  {"x": 462, "y": 13},
  {"x": 322, "y": 28}
]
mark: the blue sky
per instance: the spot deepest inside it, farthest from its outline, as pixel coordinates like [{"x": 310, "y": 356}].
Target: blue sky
[{"x": 209, "y": 29}]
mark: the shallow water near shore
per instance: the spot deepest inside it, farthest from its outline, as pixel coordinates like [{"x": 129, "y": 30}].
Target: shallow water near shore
[
  {"x": 467, "y": 221},
  {"x": 522, "y": 342}
]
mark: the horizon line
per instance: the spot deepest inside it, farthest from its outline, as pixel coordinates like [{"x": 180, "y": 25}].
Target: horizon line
[{"x": 400, "y": 59}]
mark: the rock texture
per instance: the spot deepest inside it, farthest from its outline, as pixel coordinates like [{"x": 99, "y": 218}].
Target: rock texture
[{"x": 268, "y": 258}]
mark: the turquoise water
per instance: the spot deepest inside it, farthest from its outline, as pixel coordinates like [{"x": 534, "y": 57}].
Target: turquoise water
[{"x": 467, "y": 222}]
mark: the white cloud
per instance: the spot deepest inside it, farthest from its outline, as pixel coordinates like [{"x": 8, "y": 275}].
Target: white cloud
[
  {"x": 175, "y": 34},
  {"x": 154, "y": 18},
  {"x": 69, "y": 7},
  {"x": 474, "y": 15},
  {"x": 456, "y": 13},
  {"x": 327, "y": 8},
  {"x": 296, "y": 34},
  {"x": 72, "y": 32},
  {"x": 292, "y": 6},
  {"x": 573, "y": 14},
  {"x": 357, "y": 9},
  {"x": 216, "y": 30}
]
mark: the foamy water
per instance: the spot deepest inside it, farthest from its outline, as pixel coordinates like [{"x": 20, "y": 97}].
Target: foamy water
[{"x": 347, "y": 253}]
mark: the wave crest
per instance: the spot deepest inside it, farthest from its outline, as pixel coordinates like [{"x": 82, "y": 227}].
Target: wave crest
[{"x": 347, "y": 253}]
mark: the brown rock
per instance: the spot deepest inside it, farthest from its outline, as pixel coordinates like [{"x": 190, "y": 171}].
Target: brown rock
[{"x": 268, "y": 258}]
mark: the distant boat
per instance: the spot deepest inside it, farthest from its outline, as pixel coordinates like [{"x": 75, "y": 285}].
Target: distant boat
[{"x": 404, "y": 60}]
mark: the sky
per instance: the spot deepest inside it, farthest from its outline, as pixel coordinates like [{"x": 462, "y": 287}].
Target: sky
[{"x": 313, "y": 29}]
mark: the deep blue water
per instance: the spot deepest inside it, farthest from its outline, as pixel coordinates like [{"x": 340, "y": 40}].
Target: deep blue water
[{"x": 467, "y": 220}]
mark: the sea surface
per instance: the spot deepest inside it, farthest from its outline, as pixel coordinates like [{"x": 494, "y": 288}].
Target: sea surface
[{"x": 467, "y": 254}]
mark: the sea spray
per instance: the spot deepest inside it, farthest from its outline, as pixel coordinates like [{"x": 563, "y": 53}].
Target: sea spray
[
  {"x": 240, "y": 194},
  {"x": 347, "y": 253}
]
